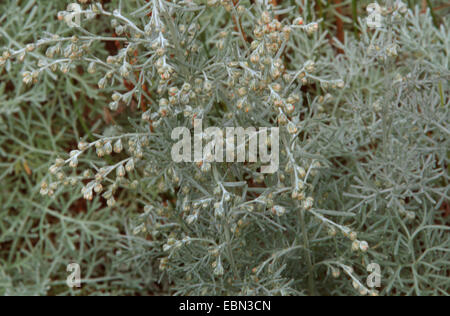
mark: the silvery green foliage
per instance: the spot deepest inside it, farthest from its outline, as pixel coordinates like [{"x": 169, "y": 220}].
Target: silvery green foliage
[
  {"x": 40, "y": 237},
  {"x": 390, "y": 147},
  {"x": 364, "y": 146}
]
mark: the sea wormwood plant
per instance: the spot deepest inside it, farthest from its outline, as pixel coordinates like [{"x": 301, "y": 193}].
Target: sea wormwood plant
[{"x": 363, "y": 144}]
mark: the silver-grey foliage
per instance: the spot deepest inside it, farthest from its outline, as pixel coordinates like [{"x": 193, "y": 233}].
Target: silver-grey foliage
[{"x": 364, "y": 141}]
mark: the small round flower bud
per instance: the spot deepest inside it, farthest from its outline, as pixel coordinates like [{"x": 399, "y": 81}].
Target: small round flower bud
[
  {"x": 65, "y": 68},
  {"x": 116, "y": 96},
  {"x": 335, "y": 273},
  {"x": 219, "y": 271},
  {"x": 87, "y": 174},
  {"x": 206, "y": 167},
  {"x": 54, "y": 186},
  {"x": 340, "y": 84},
  {"x": 364, "y": 246},
  {"x": 120, "y": 171},
  {"x": 276, "y": 87},
  {"x": 186, "y": 87},
  {"x": 254, "y": 58},
  {"x": 312, "y": 28},
  {"x": 298, "y": 21},
  {"x": 53, "y": 169},
  {"x": 278, "y": 210},
  {"x": 298, "y": 195},
  {"x": 377, "y": 106},
  {"x": 108, "y": 194},
  {"x": 113, "y": 106},
  {"x": 102, "y": 83},
  {"x": 100, "y": 175},
  {"x": 332, "y": 232},
  {"x": 163, "y": 111},
  {"x": 88, "y": 195},
  {"x": 125, "y": 70},
  {"x": 278, "y": 103},
  {"x": 82, "y": 145},
  {"x": 282, "y": 119},
  {"x": 173, "y": 91},
  {"x": 108, "y": 148},
  {"x": 6, "y": 54},
  {"x": 21, "y": 56},
  {"x": 207, "y": 86},
  {"x": 59, "y": 162},
  {"x": 27, "y": 78},
  {"x": 301, "y": 172},
  {"x": 111, "y": 202},
  {"x": 98, "y": 188},
  {"x": 310, "y": 66},
  {"x": 308, "y": 203},
  {"x": 212, "y": 3},
  {"x": 355, "y": 245},
  {"x": 130, "y": 165},
  {"x": 391, "y": 51},
  {"x": 242, "y": 91},
  {"x": 292, "y": 129},
  {"x": 60, "y": 176},
  {"x": 44, "y": 185},
  {"x": 265, "y": 17},
  {"x": 73, "y": 162},
  {"x": 402, "y": 8},
  {"x": 254, "y": 45},
  {"x": 146, "y": 116},
  {"x": 118, "y": 147},
  {"x": 410, "y": 215},
  {"x": 289, "y": 108},
  {"x": 119, "y": 30},
  {"x": 100, "y": 152},
  {"x": 30, "y": 47},
  {"x": 363, "y": 291}
]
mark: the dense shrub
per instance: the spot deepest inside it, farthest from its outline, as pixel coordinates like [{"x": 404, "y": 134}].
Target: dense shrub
[{"x": 363, "y": 152}]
